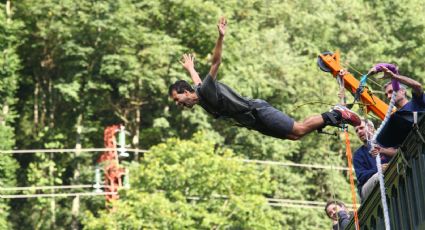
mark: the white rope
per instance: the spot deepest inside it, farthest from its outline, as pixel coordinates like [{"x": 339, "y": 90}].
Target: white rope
[
  {"x": 341, "y": 93},
  {"x": 378, "y": 162}
]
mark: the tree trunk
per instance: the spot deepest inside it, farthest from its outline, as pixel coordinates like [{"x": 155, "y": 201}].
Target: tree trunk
[
  {"x": 75, "y": 212},
  {"x": 135, "y": 140},
  {"x": 76, "y": 177},
  {"x": 52, "y": 200},
  {"x": 5, "y": 105},
  {"x": 51, "y": 105},
  {"x": 8, "y": 12},
  {"x": 137, "y": 120},
  {"x": 36, "y": 89},
  {"x": 43, "y": 104},
  {"x": 4, "y": 115}
]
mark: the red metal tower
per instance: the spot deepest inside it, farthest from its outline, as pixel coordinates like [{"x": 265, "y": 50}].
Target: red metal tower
[{"x": 109, "y": 160}]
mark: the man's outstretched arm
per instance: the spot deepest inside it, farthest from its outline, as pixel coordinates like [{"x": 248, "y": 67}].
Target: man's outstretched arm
[
  {"x": 390, "y": 71},
  {"x": 216, "y": 60},
  {"x": 416, "y": 86},
  {"x": 188, "y": 63}
]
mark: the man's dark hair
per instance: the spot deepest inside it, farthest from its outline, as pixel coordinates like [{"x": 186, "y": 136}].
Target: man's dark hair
[
  {"x": 339, "y": 203},
  {"x": 402, "y": 86},
  {"x": 180, "y": 86}
]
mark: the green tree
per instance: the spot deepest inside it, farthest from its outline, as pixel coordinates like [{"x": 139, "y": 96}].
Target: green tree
[
  {"x": 186, "y": 184},
  {"x": 9, "y": 75},
  {"x": 72, "y": 67}
]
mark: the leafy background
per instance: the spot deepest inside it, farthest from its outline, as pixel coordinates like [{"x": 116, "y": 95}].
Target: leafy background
[{"x": 69, "y": 68}]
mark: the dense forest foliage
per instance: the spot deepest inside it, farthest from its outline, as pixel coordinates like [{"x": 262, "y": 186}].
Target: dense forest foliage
[{"x": 69, "y": 68}]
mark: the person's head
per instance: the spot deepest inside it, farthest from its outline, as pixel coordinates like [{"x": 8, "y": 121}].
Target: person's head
[
  {"x": 183, "y": 94},
  {"x": 365, "y": 132},
  {"x": 401, "y": 97},
  {"x": 333, "y": 207}
]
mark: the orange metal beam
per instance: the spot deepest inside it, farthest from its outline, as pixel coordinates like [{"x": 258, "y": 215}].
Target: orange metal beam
[{"x": 374, "y": 104}]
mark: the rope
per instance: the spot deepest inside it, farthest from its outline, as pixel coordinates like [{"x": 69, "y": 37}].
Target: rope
[
  {"x": 396, "y": 87},
  {"x": 296, "y": 107},
  {"x": 352, "y": 186},
  {"x": 379, "y": 165},
  {"x": 360, "y": 90},
  {"x": 333, "y": 188},
  {"x": 374, "y": 82},
  {"x": 416, "y": 127},
  {"x": 343, "y": 101},
  {"x": 341, "y": 93}
]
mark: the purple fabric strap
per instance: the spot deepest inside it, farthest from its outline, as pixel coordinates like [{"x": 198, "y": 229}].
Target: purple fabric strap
[
  {"x": 395, "y": 84},
  {"x": 392, "y": 68}
]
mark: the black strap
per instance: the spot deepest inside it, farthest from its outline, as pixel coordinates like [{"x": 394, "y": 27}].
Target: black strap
[
  {"x": 320, "y": 131},
  {"x": 331, "y": 119}
]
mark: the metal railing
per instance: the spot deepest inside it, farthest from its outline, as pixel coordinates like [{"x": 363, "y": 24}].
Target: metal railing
[{"x": 405, "y": 188}]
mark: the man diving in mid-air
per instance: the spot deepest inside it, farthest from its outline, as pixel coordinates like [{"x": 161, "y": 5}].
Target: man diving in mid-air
[{"x": 220, "y": 100}]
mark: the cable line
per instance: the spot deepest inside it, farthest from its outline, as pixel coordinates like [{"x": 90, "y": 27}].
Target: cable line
[
  {"x": 52, "y": 187},
  {"x": 21, "y": 196},
  {"x": 264, "y": 162},
  {"x": 22, "y": 151},
  {"x": 279, "y": 163},
  {"x": 275, "y": 202}
]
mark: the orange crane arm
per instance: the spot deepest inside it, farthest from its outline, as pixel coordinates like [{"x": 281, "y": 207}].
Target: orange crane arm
[{"x": 373, "y": 103}]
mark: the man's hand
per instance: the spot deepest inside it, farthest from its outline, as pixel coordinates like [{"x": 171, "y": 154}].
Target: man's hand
[
  {"x": 216, "y": 59},
  {"x": 383, "y": 67},
  {"x": 384, "y": 167},
  {"x": 222, "y": 24},
  {"x": 389, "y": 152},
  {"x": 340, "y": 208},
  {"x": 374, "y": 152},
  {"x": 387, "y": 73},
  {"x": 188, "y": 62},
  {"x": 342, "y": 73},
  {"x": 372, "y": 71}
]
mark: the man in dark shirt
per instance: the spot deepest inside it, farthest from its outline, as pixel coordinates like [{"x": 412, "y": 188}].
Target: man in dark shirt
[
  {"x": 221, "y": 101},
  {"x": 417, "y": 103},
  {"x": 364, "y": 159},
  {"x": 337, "y": 211},
  {"x": 401, "y": 121}
]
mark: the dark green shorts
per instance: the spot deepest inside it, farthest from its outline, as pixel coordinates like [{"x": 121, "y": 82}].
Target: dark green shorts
[{"x": 271, "y": 121}]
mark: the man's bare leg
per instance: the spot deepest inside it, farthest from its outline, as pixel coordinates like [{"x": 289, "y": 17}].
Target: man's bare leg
[
  {"x": 335, "y": 117},
  {"x": 310, "y": 124}
]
